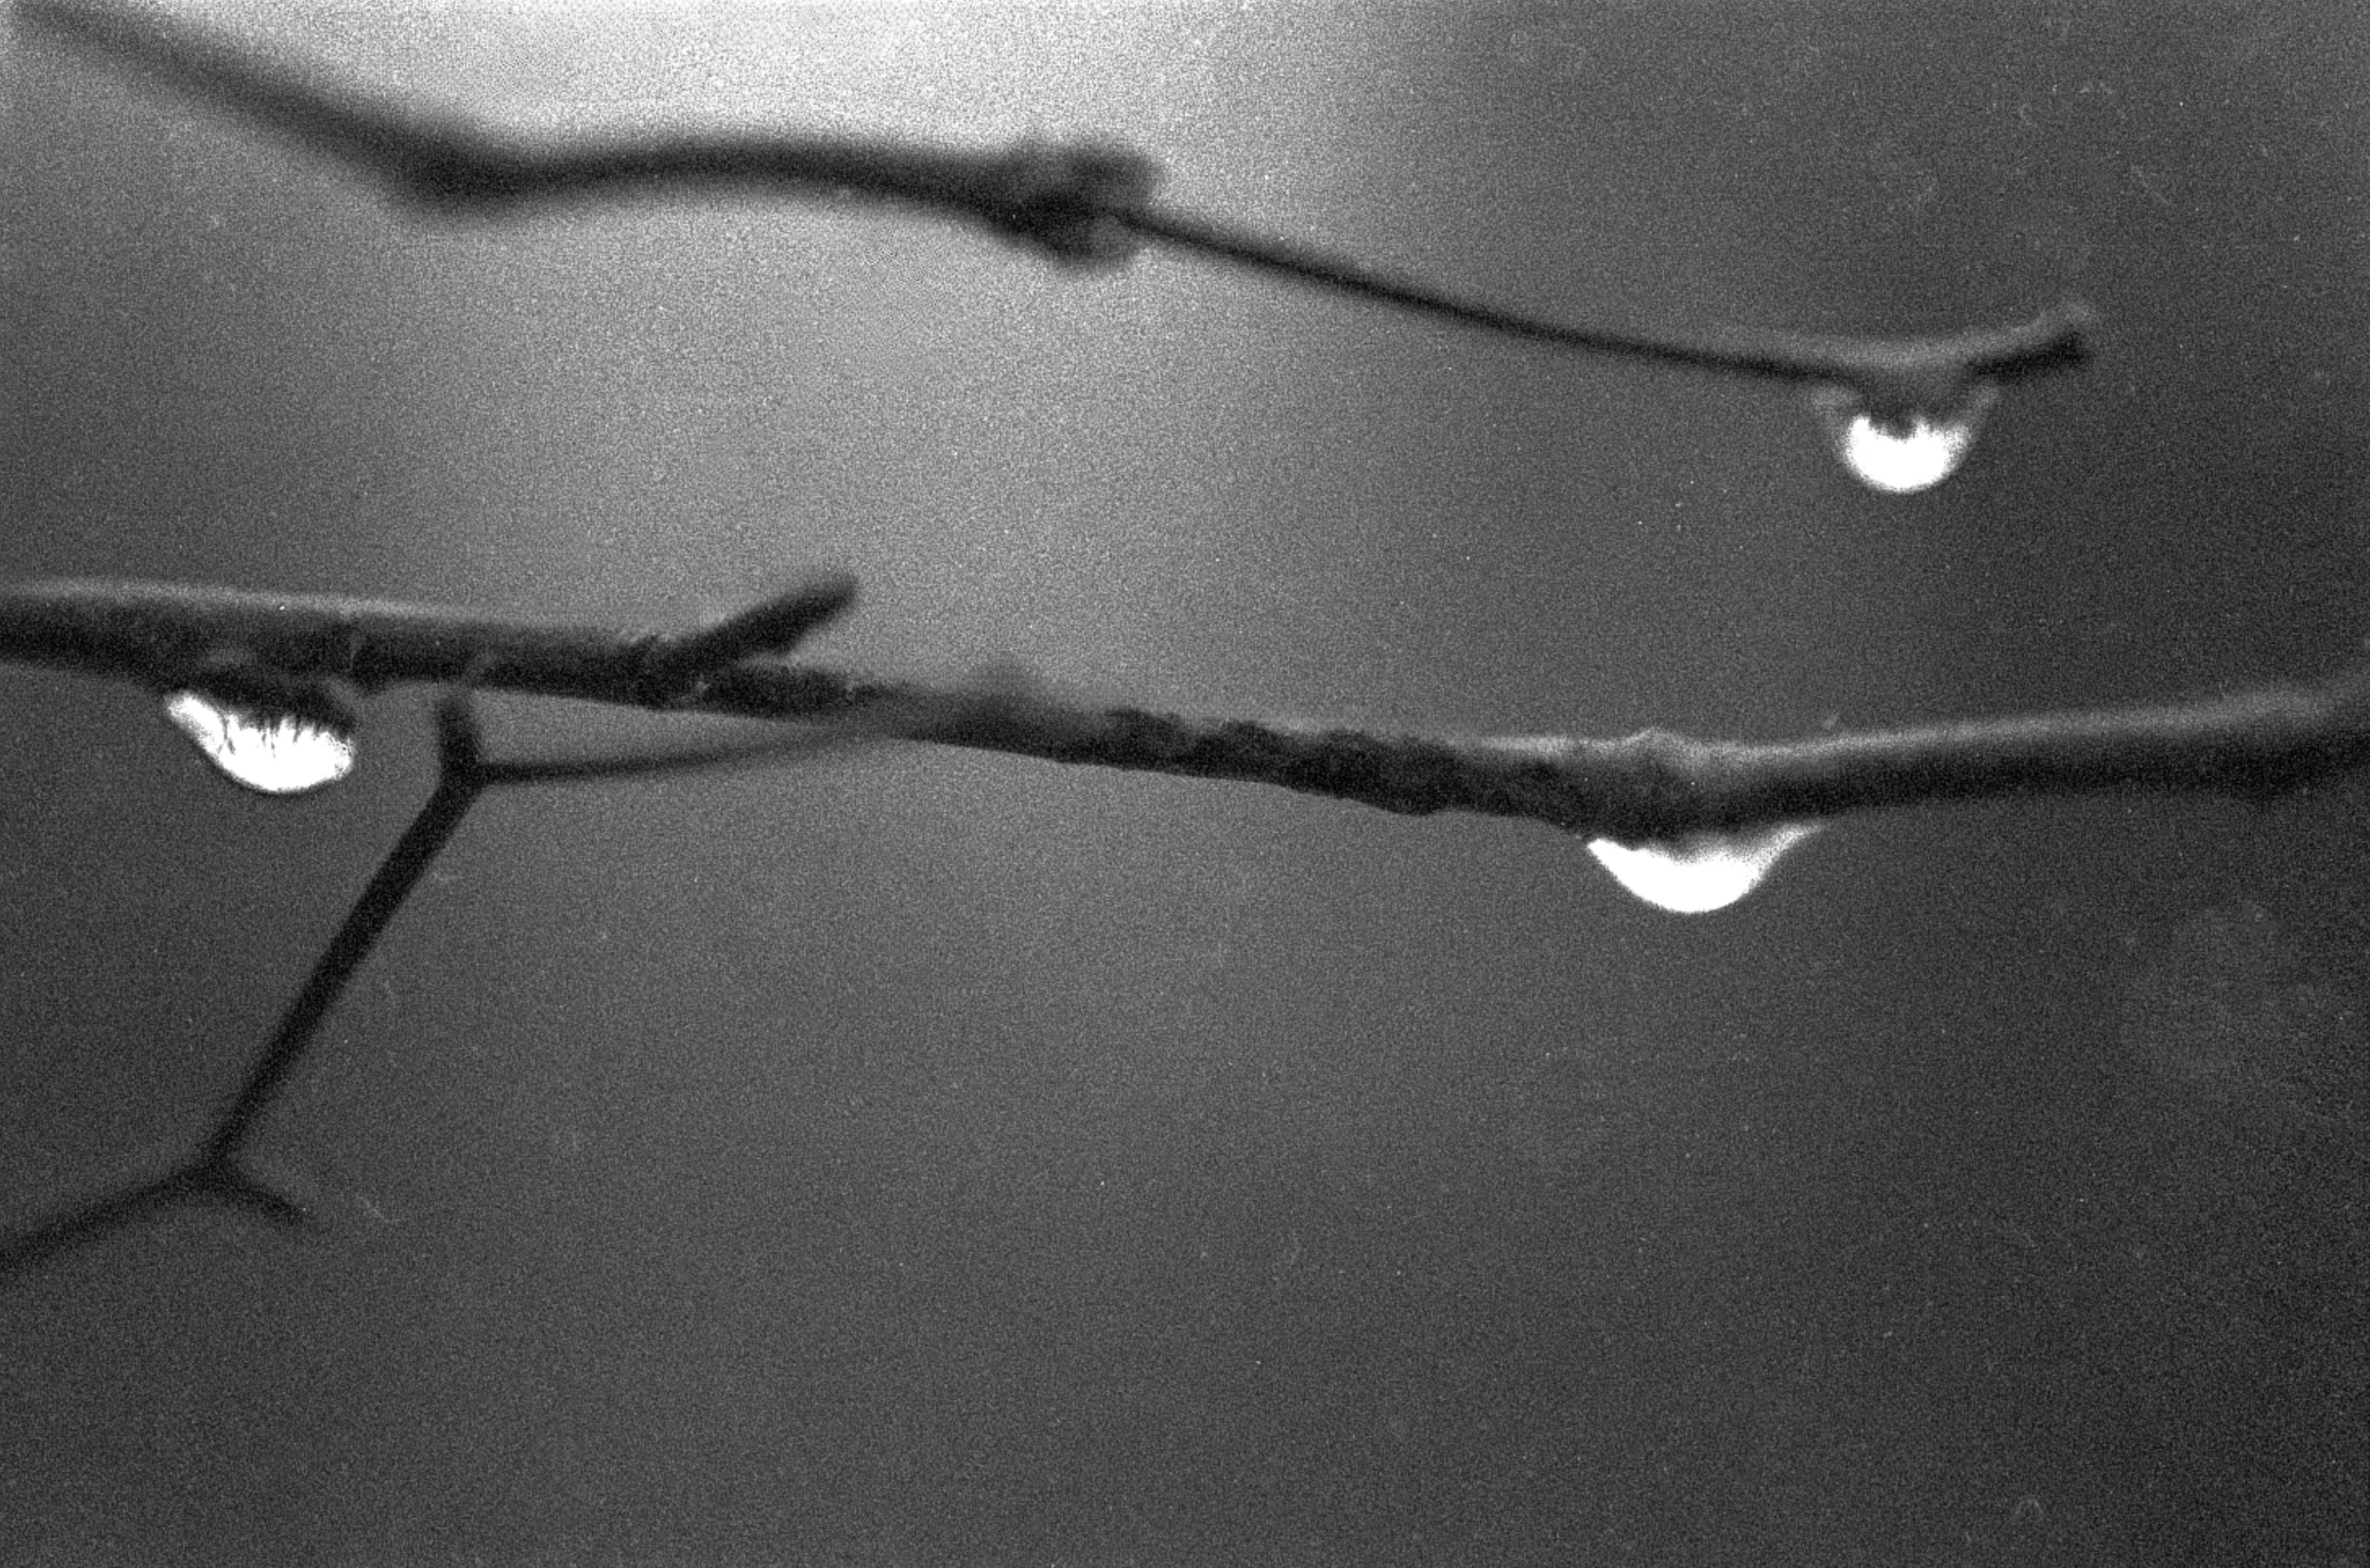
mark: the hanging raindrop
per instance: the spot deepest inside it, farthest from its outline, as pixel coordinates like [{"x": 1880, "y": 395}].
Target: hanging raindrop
[
  {"x": 1908, "y": 446},
  {"x": 269, "y": 733},
  {"x": 1697, "y": 872}
]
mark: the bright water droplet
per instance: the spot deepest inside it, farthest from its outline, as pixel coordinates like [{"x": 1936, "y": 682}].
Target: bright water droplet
[
  {"x": 285, "y": 746},
  {"x": 1699, "y": 871},
  {"x": 1908, "y": 448}
]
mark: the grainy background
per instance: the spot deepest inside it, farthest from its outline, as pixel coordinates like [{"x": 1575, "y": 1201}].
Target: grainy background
[{"x": 927, "y": 1157}]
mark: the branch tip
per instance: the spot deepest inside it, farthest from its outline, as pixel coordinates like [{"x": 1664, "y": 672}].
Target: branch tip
[
  {"x": 1078, "y": 203},
  {"x": 676, "y": 664}
]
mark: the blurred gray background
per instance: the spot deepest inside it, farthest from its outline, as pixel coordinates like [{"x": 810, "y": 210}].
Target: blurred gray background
[{"x": 931, "y": 1158}]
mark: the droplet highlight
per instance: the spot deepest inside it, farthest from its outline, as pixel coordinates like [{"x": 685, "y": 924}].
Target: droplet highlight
[
  {"x": 1906, "y": 448},
  {"x": 1698, "y": 873},
  {"x": 291, "y": 744}
]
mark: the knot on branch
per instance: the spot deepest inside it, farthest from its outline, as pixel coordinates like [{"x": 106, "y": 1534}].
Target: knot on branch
[
  {"x": 454, "y": 169},
  {"x": 1073, "y": 202}
]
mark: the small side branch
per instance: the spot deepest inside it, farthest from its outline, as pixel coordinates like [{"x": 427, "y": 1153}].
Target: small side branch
[
  {"x": 1650, "y": 785},
  {"x": 1085, "y": 206}
]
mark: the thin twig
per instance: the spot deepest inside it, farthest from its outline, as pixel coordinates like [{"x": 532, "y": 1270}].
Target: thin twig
[
  {"x": 1085, "y": 205},
  {"x": 216, "y": 1170},
  {"x": 460, "y": 779},
  {"x": 1650, "y": 785},
  {"x": 1888, "y": 371}
]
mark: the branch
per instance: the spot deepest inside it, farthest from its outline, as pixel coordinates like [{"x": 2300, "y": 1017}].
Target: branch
[
  {"x": 1083, "y": 206},
  {"x": 1654, "y": 785}
]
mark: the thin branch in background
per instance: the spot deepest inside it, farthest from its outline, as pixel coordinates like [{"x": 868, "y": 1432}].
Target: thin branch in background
[
  {"x": 218, "y": 1172},
  {"x": 1647, "y": 787},
  {"x": 1085, "y": 206}
]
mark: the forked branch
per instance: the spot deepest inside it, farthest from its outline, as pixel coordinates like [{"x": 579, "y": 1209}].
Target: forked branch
[{"x": 1651, "y": 786}]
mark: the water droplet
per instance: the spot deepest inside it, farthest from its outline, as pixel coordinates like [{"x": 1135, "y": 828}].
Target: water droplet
[
  {"x": 266, "y": 733},
  {"x": 1909, "y": 445},
  {"x": 1697, "y": 872}
]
